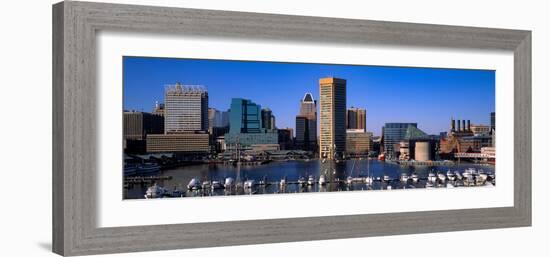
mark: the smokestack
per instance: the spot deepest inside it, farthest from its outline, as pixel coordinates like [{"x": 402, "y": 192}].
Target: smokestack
[
  {"x": 452, "y": 124},
  {"x": 458, "y": 125},
  {"x": 463, "y": 125},
  {"x": 468, "y": 124}
]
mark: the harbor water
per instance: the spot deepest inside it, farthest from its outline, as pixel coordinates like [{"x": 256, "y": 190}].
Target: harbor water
[{"x": 267, "y": 177}]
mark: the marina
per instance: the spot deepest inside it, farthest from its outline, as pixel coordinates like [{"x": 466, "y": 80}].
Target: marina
[{"x": 304, "y": 177}]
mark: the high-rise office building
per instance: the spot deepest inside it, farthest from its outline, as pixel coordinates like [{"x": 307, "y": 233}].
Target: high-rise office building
[
  {"x": 356, "y": 118},
  {"x": 332, "y": 120},
  {"x": 308, "y": 106},
  {"x": 185, "y": 109},
  {"x": 244, "y": 116},
  {"x": 285, "y": 138},
  {"x": 245, "y": 126},
  {"x": 273, "y": 124},
  {"x": 217, "y": 118},
  {"x": 268, "y": 119},
  {"x": 392, "y": 134},
  {"x": 306, "y": 133},
  {"x": 306, "y": 124}
]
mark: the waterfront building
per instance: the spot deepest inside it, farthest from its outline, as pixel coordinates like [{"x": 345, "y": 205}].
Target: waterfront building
[
  {"x": 136, "y": 126},
  {"x": 464, "y": 144},
  {"x": 417, "y": 145},
  {"x": 245, "y": 126},
  {"x": 392, "y": 134},
  {"x": 358, "y": 142},
  {"x": 422, "y": 151},
  {"x": 332, "y": 120},
  {"x": 356, "y": 118},
  {"x": 376, "y": 144},
  {"x": 180, "y": 142},
  {"x": 264, "y": 147},
  {"x": 215, "y": 134},
  {"x": 285, "y": 138},
  {"x": 219, "y": 144},
  {"x": 244, "y": 141},
  {"x": 306, "y": 124},
  {"x": 186, "y": 109}
]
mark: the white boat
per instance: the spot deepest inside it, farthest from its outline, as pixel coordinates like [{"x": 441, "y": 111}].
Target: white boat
[
  {"x": 387, "y": 178},
  {"x": 481, "y": 177},
  {"x": 349, "y": 180},
  {"x": 229, "y": 182},
  {"x": 369, "y": 180},
  {"x": 216, "y": 185},
  {"x": 442, "y": 177},
  {"x": 404, "y": 177},
  {"x": 311, "y": 180},
  {"x": 176, "y": 192},
  {"x": 282, "y": 183},
  {"x": 322, "y": 180},
  {"x": 249, "y": 183},
  {"x": 415, "y": 177},
  {"x": 432, "y": 178},
  {"x": 194, "y": 184},
  {"x": 458, "y": 175},
  {"x": 469, "y": 176},
  {"x": 451, "y": 176},
  {"x": 302, "y": 181},
  {"x": 154, "y": 191},
  {"x": 206, "y": 185}
]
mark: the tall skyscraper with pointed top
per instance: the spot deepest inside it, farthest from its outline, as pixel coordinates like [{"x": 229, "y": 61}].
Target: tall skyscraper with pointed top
[
  {"x": 332, "y": 120},
  {"x": 306, "y": 124}
]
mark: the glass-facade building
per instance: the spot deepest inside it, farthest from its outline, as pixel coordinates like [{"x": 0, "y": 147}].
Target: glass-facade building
[
  {"x": 245, "y": 126},
  {"x": 393, "y": 133}
]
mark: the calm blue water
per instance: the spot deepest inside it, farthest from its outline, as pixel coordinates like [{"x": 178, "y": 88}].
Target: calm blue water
[{"x": 293, "y": 170}]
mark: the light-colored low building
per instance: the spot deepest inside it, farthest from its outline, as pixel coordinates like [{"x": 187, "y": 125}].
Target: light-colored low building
[
  {"x": 422, "y": 151},
  {"x": 358, "y": 141},
  {"x": 265, "y": 147},
  {"x": 185, "y": 142}
]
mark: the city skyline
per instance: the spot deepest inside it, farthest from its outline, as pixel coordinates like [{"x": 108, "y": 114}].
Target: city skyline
[{"x": 427, "y": 96}]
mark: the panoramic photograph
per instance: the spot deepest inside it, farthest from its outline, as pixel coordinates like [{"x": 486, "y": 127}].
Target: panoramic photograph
[{"x": 202, "y": 128}]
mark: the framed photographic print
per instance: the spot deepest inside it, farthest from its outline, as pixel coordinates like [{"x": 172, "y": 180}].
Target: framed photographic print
[{"x": 180, "y": 128}]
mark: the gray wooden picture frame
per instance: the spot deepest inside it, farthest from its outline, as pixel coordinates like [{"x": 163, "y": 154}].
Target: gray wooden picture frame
[{"x": 75, "y": 25}]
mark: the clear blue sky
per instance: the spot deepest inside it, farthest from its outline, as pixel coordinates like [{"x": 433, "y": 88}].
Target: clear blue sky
[{"x": 390, "y": 94}]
